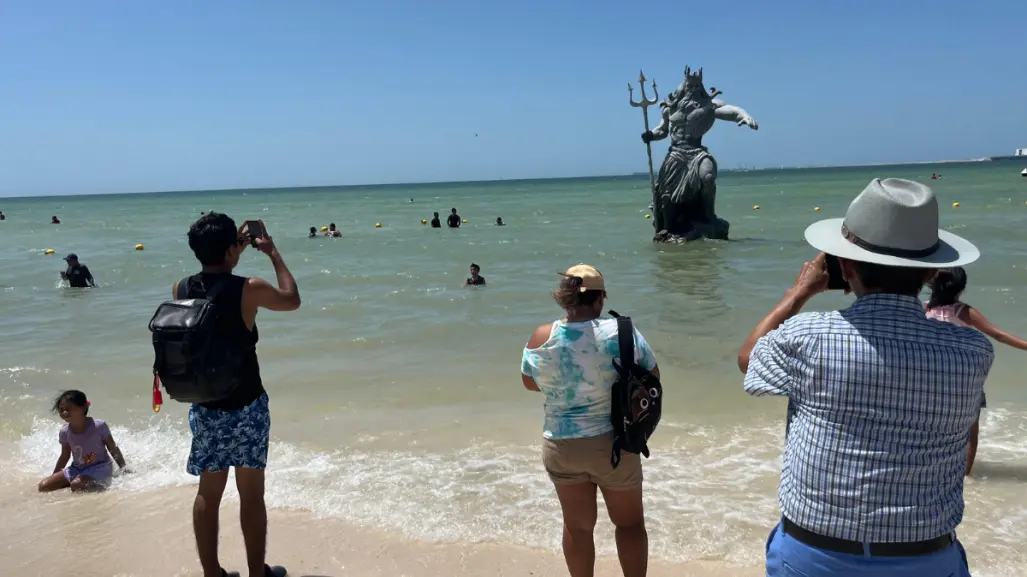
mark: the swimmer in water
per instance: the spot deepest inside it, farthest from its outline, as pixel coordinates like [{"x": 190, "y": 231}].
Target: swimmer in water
[
  {"x": 77, "y": 274},
  {"x": 55, "y": 220},
  {"x": 313, "y": 232},
  {"x": 332, "y": 231},
  {"x": 435, "y": 222},
  {"x": 454, "y": 219},
  {"x": 475, "y": 279},
  {"x": 2, "y": 215},
  {"x": 499, "y": 221}
]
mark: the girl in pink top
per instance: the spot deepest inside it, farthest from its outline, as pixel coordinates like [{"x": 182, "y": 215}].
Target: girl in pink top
[
  {"x": 87, "y": 443},
  {"x": 944, "y": 305}
]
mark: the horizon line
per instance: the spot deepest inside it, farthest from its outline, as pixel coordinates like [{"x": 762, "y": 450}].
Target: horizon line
[{"x": 492, "y": 181}]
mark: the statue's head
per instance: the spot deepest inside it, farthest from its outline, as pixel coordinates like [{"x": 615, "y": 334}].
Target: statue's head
[
  {"x": 693, "y": 83},
  {"x": 691, "y": 89}
]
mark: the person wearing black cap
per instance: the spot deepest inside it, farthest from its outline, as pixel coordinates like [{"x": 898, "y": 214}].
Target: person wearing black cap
[{"x": 77, "y": 274}]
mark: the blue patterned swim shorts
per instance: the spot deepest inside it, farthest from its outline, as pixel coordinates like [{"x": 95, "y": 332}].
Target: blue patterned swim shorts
[{"x": 223, "y": 439}]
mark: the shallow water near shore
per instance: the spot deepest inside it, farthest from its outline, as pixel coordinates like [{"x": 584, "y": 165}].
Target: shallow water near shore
[{"x": 394, "y": 393}]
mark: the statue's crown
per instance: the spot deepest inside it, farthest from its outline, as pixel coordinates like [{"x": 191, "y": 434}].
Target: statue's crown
[{"x": 693, "y": 77}]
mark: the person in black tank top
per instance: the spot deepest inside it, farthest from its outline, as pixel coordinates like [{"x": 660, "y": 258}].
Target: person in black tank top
[
  {"x": 233, "y": 329},
  {"x": 235, "y": 431}
]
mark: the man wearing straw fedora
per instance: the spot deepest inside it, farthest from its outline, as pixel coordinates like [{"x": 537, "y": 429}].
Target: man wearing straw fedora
[{"x": 880, "y": 398}]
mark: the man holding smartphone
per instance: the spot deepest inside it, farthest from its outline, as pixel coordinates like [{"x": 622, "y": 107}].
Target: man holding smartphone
[
  {"x": 234, "y": 431},
  {"x": 880, "y": 398}
]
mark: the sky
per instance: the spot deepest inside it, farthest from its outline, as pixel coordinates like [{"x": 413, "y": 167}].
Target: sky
[{"x": 131, "y": 96}]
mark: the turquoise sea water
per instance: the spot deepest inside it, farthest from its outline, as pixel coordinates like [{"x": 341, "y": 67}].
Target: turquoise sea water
[{"x": 394, "y": 390}]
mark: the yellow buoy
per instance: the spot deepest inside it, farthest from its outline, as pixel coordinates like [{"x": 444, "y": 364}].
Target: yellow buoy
[
  {"x": 139, "y": 247},
  {"x": 48, "y": 251},
  {"x": 423, "y": 221},
  {"x": 756, "y": 207},
  {"x": 816, "y": 209},
  {"x": 377, "y": 225},
  {"x": 955, "y": 205},
  {"x": 324, "y": 229},
  {"x": 648, "y": 216},
  {"x": 465, "y": 221}
]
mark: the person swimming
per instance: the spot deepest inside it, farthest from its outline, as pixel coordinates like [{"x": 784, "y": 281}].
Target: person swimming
[
  {"x": 454, "y": 219},
  {"x": 499, "y": 221},
  {"x": 313, "y": 232},
  {"x": 55, "y": 220},
  {"x": 77, "y": 274},
  {"x": 436, "y": 222},
  {"x": 475, "y": 279},
  {"x": 332, "y": 231}
]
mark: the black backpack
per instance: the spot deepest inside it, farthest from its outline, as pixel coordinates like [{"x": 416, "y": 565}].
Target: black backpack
[
  {"x": 191, "y": 360},
  {"x": 637, "y": 398}
]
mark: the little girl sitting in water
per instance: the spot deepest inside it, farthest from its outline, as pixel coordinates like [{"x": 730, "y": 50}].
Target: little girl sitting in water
[
  {"x": 85, "y": 440},
  {"x": 944, "y": 305}
]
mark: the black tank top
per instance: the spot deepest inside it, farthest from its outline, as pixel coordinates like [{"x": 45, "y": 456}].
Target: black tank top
[{"x": 232, "y": 328}]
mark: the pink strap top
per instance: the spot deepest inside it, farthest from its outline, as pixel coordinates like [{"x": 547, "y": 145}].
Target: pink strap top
[{"x": 948, "y": 313}]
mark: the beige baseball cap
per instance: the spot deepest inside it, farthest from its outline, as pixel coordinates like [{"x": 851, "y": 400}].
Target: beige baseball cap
[{"x": 591, "y": 278}]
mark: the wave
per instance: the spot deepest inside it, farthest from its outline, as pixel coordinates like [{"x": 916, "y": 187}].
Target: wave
[{"x": 710, "y": 492}]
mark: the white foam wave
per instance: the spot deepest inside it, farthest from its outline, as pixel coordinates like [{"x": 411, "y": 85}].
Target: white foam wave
[{"x": 710, "y": 492}]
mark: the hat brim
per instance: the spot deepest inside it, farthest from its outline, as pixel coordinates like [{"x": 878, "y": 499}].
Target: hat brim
[{"x": 826, "y": 236}]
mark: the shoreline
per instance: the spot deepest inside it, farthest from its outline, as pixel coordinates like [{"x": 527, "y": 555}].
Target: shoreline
[{"x": 153, "y": 538}]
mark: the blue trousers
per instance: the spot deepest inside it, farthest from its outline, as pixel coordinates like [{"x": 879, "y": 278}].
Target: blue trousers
[{"x": 787, "y": 557}]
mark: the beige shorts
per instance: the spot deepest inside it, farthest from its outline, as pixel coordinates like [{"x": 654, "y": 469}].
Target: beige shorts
[{"x": 584, "y": 460}]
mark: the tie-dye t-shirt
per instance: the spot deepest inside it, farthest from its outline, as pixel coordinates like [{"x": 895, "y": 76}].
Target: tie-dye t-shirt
[{"x": 574, "y": 369}]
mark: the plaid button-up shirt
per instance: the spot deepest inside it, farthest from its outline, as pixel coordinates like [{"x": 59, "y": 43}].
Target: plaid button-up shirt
[{"x": 880, "y": 404}]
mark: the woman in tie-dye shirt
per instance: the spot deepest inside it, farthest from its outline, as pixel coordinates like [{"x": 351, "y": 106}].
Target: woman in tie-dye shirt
[{"x": 571, "y": 362}]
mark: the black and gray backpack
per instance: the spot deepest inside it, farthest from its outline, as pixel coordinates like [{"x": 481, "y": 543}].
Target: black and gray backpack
[
  {"x": 637, "y": 398},
  {"x": 191, "y": 361}
]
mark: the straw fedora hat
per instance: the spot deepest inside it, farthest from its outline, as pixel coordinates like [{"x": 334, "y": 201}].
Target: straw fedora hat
[{"x": 893, "y": 222}]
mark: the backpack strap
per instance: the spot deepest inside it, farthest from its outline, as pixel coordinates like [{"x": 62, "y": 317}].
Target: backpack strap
[
  {"x": 182, "y": 289},
  {"x": 626, "y": 343}
]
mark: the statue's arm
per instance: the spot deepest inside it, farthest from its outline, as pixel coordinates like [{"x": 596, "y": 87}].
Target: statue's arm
[
  {"x": 736, "y": 114},
  {"x": 661, "y": 131}
]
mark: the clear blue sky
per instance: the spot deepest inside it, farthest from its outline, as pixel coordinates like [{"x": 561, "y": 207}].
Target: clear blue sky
[{"x": 104, "y": 96}]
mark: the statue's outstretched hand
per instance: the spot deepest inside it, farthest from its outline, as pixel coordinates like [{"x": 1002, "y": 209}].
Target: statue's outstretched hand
[
  {"x": 750, "y": 122},
  {"x": 647, "y": 136}
]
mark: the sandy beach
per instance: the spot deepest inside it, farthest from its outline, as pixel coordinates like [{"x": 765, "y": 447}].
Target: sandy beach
[{"x": 160, "y": 534}]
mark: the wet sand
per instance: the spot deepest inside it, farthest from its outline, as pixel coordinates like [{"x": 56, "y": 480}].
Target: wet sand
[{"x": 157, "y": 541}]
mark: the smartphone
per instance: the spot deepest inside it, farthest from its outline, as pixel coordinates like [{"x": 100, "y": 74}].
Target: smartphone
[
  {"x": 835, "y": 280},
  {"x": 255, "y": 230}
]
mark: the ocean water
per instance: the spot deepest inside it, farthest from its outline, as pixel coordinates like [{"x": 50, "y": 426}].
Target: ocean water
[{"x": 394, "y": 390}]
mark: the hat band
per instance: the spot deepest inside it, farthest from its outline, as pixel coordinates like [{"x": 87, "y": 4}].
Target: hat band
[{"x": 886, "y": 250}]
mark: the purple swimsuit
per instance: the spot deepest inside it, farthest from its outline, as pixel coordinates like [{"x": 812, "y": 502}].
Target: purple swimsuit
[{"x": 88, "y": 452}]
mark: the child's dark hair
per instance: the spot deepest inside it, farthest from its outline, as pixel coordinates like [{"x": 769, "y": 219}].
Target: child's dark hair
[
  {"x": 946, "y": 287},
  {"x": 475, "y": 266},
  {"x": 77, "y": 398},
  {"x": 569, "y": 296}
]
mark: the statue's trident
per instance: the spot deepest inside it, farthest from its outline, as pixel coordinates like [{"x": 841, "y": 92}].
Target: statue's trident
[{"x": 644, "y": 104}]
